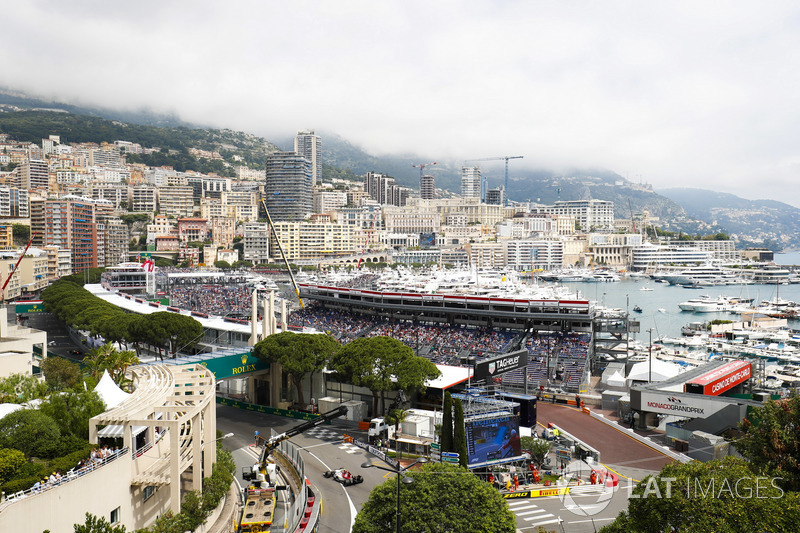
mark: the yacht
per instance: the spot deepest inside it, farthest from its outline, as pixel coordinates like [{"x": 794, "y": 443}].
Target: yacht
[
  {"x": 700, "y": 276},
  {"x": 602, "y": 275}
]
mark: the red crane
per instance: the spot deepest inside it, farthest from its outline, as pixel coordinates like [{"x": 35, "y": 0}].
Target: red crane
[
  {"x": 422, "y": 166},
  {"x": 3, "y": 290}
]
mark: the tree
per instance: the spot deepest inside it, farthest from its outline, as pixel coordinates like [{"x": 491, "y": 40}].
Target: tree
[
  {"x": 21, "y": 234},
  {"x": 723, "y": 496},
  {"x": 538, "y": 448},
  {"x": 107, "y": 357},
  {"x": 459, "y": 433},
  {"x": 298, "y": 354},
  {"x": 72, "y": 411},
  {"x": 447, "y": 423},
  {"x": 224, "y": 265},
  {"x": 11, "y": 461},
  {"x": 94, "y": 524},
  {"x": 21, "y": 388},
  {"x": 60, "y": 373},
  {"x": 382, "y": 364},
  {"x": 442, "y": 498},
  {"x": 32, "y": 432},
  {"x": 771, "y": 440},
  {"x": 167, "y": 330}
]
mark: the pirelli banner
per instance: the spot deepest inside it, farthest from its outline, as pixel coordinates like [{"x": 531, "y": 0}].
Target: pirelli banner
[{"x": 499, "y": 365}]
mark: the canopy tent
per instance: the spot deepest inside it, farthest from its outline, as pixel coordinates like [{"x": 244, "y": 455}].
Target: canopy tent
[
  {"x": 112, "y": 396},
  {"x": 110, "y": 392},
  {"x": 8, "y": 408},
  {"x": 654, "y": 370},
  {"x": 616, "y": 380}
]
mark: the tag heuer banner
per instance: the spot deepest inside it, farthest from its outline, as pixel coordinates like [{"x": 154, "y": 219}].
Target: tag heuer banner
[{"x": 500, "y": 365}]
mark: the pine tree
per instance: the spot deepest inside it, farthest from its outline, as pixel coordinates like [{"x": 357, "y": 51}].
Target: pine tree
[{"x": 447, "y": 423}]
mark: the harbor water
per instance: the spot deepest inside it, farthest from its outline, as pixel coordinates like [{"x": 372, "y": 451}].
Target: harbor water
[{"x": 659, "y": 305}]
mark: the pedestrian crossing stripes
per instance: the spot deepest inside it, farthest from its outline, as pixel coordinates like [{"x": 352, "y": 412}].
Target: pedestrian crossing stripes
[{"x": 530, "y": 512}]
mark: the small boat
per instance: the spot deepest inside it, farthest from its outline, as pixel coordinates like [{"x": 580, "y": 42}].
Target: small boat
[
  {"x": 645, "y": 288},
  {"x": 662, "y": 310},
  {"x": 637, "y": 309}
]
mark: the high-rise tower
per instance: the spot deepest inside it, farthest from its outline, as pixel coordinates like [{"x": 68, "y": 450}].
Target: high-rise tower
[
  {"x": 471, "y": 182},
  {"x": 309, "y": 145},
  {"x": 287, "y": 189},
  {"x": 427, "y": 187}
]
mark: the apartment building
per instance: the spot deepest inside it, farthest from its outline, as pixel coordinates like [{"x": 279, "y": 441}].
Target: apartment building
[
  {"x": 471, "y": 184},
  {"x": 176, "y": 201},
  {"x": 309, "y": 145},
  {"x": 590, "y": 215},
  {"x": 34, "y": 174},
  {"x": 534, "y": 254},
  {"x": 192, "y": 229},
  {"x": 327, "y": 201},
  {"x": 308, "y": 241},
  {"x": 288, "y": 186},
  {"x": 144, "y": 199},
  {"x": 14, "y": 203},
  {"x": 256, "y": 243}
]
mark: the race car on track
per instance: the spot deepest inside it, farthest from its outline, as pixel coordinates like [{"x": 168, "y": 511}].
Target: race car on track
[{"x": 345, "y": 477}]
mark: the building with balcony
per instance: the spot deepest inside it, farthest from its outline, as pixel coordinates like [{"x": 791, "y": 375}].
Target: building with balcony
[{"x": 287, "y": 188}]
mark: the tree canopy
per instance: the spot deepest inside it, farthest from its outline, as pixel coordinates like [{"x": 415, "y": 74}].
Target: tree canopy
[
  {"x": 442, "y": 498},
  {"x": 383, "y": 364},
  {"x": 298, "y": 354},
  {"x": 771, "y": 440},
  {"x": 722, "y": 496},
  {"x": 60, "y": 373},
  {"x": 31, "y": 432},
  {"x": 72, "y": 411}
]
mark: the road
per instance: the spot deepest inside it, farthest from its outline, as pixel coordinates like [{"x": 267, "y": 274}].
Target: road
[{"x": 322, "y": 449}]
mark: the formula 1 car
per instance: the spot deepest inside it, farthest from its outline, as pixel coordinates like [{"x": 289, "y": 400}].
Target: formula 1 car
[{"x": 345, "y": 477}]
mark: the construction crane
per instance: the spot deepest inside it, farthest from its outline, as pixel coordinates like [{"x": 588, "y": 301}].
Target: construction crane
[
  {"x": 422, "y": 166},
  {"x": 503, "y": 158},
  {"x": 13, "y": 270}
]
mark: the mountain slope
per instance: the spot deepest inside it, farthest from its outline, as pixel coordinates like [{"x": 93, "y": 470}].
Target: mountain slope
[{"x": 767, "y": 223}]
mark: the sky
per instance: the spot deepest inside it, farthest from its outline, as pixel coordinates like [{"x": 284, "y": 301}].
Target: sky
[{"x": 675, "y": 94}]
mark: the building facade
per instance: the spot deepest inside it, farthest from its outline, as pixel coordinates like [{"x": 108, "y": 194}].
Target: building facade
[{"x": 288, "y": 186}]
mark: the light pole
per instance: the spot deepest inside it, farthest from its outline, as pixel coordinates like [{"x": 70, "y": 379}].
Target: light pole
[
  {"x": 650, "y": 357},
  {"x": 407, "y": 480}
]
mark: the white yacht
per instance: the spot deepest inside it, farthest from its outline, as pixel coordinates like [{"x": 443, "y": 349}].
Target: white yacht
[{"x": 700, "y": 276}]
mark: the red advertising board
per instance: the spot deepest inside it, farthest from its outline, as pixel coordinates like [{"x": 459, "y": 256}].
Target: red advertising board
[{"x": 721, "y": 379}]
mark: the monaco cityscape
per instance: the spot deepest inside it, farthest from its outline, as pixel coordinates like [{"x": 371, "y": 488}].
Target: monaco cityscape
[{"x": 288, "y": 269}]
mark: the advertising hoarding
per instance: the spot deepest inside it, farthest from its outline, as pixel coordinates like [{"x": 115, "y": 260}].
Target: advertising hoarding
[
  {"x": 720, "y": 379},
  {"x": 499, "y": 365},
  {"x": 492, "y": 438}
]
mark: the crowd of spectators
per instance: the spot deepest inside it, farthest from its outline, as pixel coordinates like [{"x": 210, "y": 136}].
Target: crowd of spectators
[
  {"x": 221, "y": 300},
  {"x": 97, "y": 458},
  {"x": 440, "y": 343}
]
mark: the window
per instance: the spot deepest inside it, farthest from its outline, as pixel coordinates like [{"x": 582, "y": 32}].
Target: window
[
  {"x": 114, "y": 518},
  {"x": 148, "y": 492}
]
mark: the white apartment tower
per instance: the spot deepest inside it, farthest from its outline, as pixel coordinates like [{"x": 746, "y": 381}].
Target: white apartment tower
[
  {"x": 309, "y": 145},
  {"x": 471, "y": 182}
]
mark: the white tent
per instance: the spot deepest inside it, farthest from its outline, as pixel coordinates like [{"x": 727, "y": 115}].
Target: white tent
[
  {"x": 112, "y": 396},
  {"x": 110, "y": 392},
  {"x": 8, "y": 408},
  {"x": 616, "y": 380},
  {"x": 659, "y": 371}
]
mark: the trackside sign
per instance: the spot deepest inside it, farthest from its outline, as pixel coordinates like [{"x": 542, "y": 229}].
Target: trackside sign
[
  {"x": 721, "y": 379},
  {"x": 500, "y": 365}
]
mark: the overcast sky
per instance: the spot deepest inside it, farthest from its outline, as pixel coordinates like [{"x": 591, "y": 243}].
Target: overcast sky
[{"x": 701, "y": 94}]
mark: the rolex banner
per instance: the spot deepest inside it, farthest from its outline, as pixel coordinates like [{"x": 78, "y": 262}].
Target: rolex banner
[{"x": 499, "y": 365}]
